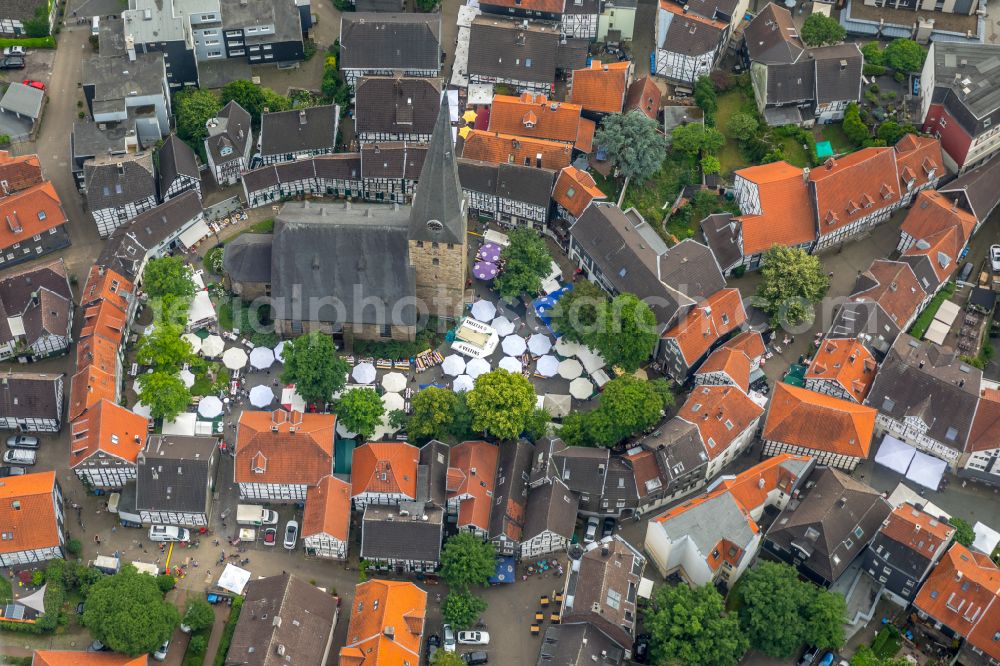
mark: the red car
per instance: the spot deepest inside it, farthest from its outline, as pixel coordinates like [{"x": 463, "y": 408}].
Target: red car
[
  {"x": 34, "y": 84},
  {"x": 270, "y": 536}
]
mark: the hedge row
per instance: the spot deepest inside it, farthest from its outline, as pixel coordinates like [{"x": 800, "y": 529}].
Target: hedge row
[{"x": 30, "y": 42}]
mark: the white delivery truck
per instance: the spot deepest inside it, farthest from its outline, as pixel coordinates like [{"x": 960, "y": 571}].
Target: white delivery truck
[
  {"x": 251, "y": 514},
  {"x": 106, "y": 564}
]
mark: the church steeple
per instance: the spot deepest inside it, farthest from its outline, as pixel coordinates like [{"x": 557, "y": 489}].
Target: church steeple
[{"x": 438, "y": 211}]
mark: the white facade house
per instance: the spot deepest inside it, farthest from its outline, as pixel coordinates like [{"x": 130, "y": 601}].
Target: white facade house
[
  {"x": 31, "y": 402},
  {"x": 617, "y": 15},
  {"x": 273, "y": 492},
  {"x": 326, "y": 521},
  {"x": 326, "y": 546}
]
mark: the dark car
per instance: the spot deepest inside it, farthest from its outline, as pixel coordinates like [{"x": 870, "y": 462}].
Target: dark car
[
  {"x": 476, "y": 658},
  {"x": 79, "y": 608},
  {"x": 640, "y": 650},
  {"x": 609, "y": 527},
  {"x": 10, "y": 470},
  {"x": 12, "y": 62},
  {"x": 433, "y": 645},
  {"x": 966, "y": 272}
]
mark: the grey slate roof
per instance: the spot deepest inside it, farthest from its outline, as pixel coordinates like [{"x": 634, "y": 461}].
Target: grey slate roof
[
  {"x": 678, "y": 448},
  {"x": 111, "y": 186},
  {"x": 173, "y": 474},
  {"x": 231, "y": 128},
  {"x": 379, "y": 5},
  {"x": 504, "y": 48},
  {"x": 438, "y": 212},
  {"x": 347, "y": 252},
  {"x": 117, "y": 78},
  {"x": 578, "y": 644},
  {"x": 392, "y": 159},
  {"x": 31, "y": 395},
  {"x": 835, "y": 512},
  {"x": 943, "y": 393},
  {"x": 551, "y": 507},
  {"x": 175, "y": 158},
  {"x": 690, "y": 268},
  {"x": 432, "y": 473},
  {"x": 771, "y": 36},
  {"x": 23, "y": 100},
  {"x": 511, "y": 487},
  {"x": 838, "y": 72},
  {"x": 722, "y": 235},
  {"x": 690, "y": 37},
  {"x": 247, "y": 258},
  {"x": 376, "y": 40},
  {"x": 388, "y": 535},
  {"x": 792, "y": 82},
  {"x": 979, "y": 64},
  {"x": 511, "y": 181},
  {"x": 863, "y": 317},
  {"x": 396, "y": 105},
  {"x": 21, "y": 10},
  {"x": 583, "y": 469},
  {"x": 49, "y": 314},
  {"x": 977, "y": 189},
  {"x": 308, "y": 615},
  {"x": 299, "y": 130}
]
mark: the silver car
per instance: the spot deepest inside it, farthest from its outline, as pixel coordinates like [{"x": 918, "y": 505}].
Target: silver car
[
  {"x": 291, "y": 534},
  {"x": 22, "y": 442},
  {"x": 20, "y": 457}
]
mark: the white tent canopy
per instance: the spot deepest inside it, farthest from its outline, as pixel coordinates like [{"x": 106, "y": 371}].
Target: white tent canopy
[
  {"x": 364, "y": 373},
  {"x": 947, "y": 313},
  {"x": 547, "y": 365},
  {"x": 513, "y": 345},
  {"x": 279, "y": 349},
  {"x": 503, "y": 326},
  {"x": 510, "y": 364},
  {"x": 193, "y": 340},
  {"x": 142, "y": 410},
  {"x": 463, "y": 383},
  {"x": 592, "y": 361},
  {"x": 36, "y": 600},
  {"x": 212, "y": 346},
  {"x": 210, "y": 407},
  {"x": 394, "y": 382},
  {"x": 453, "y": 365},
  {"x": 926, "y": 470},
  {"x": 937, "y": 332},
  {"x": 566, "y": 348},
  {"x": 392, "y": 401},
  {"x": 476, "y": 367},
  {"x": 570, "y": 369},
  {"x": 261, "y": 358},
  {"x": 187, "y": 377},
  {"x": 291, "y": 399},
  {"x": 201, "y": 311},
  {"x": 894, "y": 454},
  {"x": 185, "y": 425},
  {"x": 234, "y": 358},
  {"x": 987, "y": 538},
  {"x": 261, "y": 396},
  {"x": 539, "y": 344},
  {"x": 234, "y": 579},
  {"x": 484, "y": 310},
  {"x": 581, "y": 388},
  {"x": 558, "y": 405}
]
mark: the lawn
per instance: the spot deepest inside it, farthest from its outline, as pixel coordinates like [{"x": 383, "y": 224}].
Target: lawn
[
  {"x": 6, "y": 592},
  {"x": 264, "y": 227},
  {"x": 649, "y": 198},
  {"x": 794, "y": 153},
  {"x": 731, "y": 102},
  {"x": 609, "y": 185},
  {"x": 834, "y": 133},
  {"x": 923, "y": 321}
]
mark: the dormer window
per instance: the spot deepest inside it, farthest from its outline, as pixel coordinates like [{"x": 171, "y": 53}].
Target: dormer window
[
  {"x": 852, "y": 208},
  {"x": 886, "y": 192}
]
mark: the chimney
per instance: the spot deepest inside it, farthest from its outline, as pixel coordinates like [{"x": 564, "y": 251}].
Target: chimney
[
  {"x": 302, "y": 117},
  {"x": 538, "y": 160},
  {"x": 390, "y": 633},
  {"x": 843, "y": 65},
  {"x": 121, "y": 168},
  {"x": 805, "y": 175}
]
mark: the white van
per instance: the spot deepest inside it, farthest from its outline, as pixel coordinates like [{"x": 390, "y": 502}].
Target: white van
[
  {"x": 95, "y": 26},
  {"x": 113, "y": 501},
  {"x": 168, "y": 533}
]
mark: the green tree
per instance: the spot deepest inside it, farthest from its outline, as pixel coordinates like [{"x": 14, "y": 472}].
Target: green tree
[
  {"x": 253, "y": 98},
  {"x": 819, "y": 30},
  {"x": 866, "y": 657},
  {"x": 433, "y": 411},
  {"x": 164, "y": 348},
  {"x": 634, "y": 144},
  {"x": 824, "y": 617},
  {"x": 462, "y": 609},
  {"x": 467, "y": 561},
  {"x": 742, "y": 126},
  {"x": 537, "y": 424},
  {"x": 501, "y": 403},
  {"x": 694, "y": 138},
  {"x": 626, "y": 406},
  {"x": 705, "y": 98},
  {"x": 312, "y": 364},
  {"x": 197, "y": 645},
  {"x": 873, "y": 53},
  {"x": 38, "y": 25},
  {"x": 199, "y": 615},
  {"x": 527, "y": 261},
  {"x": 164, "y": 393},
  {"x": 964, "y": 534},
  {"x": 629, "y": 333},
  {"x": 442, "y": 658},
  {"x": 360, "y": 411},
  {"x": 168, "y": 276},
  {"x": 791, "y": 282},
  {"x": 579, "y": 313},
  {"x": 891, "y": 131},
  {"x": 854, "y": 127},
  {"x": 710, "y": 164},
  {"x": 461, "y": 424},
  {"x": 194, "y": 107},
  {"x": 127, "y": 613},
  {"x": 905, "y": 55},
  {"x": 689, "y": 626}
]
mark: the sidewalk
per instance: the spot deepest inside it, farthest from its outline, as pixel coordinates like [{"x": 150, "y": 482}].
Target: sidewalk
[{"x": 221, "y": 615}]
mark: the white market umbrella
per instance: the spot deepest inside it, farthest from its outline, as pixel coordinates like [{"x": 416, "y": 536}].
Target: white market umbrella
[
  {"x": 510, "y": 364},
  {"x": 187, "y": 377},
  {"x": 547, "y": 365},
  {"x": 539, "y": 344},
  {"x": 392, "y": 401},
  {"x": 484, "y": 310},
  {"x": 291, "y": 400},
  {"x": 394, "y": 382},
  {"x": 453, "y": 365},
  {"x": 194, "y": 341},
  {"x": 566, "y": 348},
  {"x": 234, "y": 358},
  {"x": 210, "y": 407},
  {"x": 279, "y": 349},
  {"x": 503, "y": 326},
  {"x": 570, "y": 369},
  {"x": 476, "y": 367},
  {"x": 261, "y": 358},
  {"x": 463, "y": 383},
  {"x": 513, "y": 345},
  {"x": 142, "y": 410},
  {"x": 364, "y": 373},
  {"x": 212, "y": 346},
  {"x": 344, "y": 432},
  {"x": 261, "y": 396},
  {"x": 581, "y": 388}
]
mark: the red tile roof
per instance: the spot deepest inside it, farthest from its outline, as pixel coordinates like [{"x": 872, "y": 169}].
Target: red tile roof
[
  {"x": 73, "y": 658},
  {"x": 105, "y": 320},
  {"x": 575, "y": 189},
  {"x": 548, "y": 6},
  {"x": 90, "y": 385},
  {"x": 750, "y": 488},
  {"x": 284, "y": 447},
  {"x": 721, "y": 414},
  {"x": 476, "y": 461},
  {"x": 932, "y": 213},
  {"x": 733, "y": 362},
  {"x": 963, "y": 593},
  {"x": 917, "y": 157},
  {"x": 819, "y": 422},
  {"x": 786, "y": 215},
  {"x": 985, "y": 432},
  {"x": 377, "y": 606},
  {"x": 846, "y": 362},
  {"x": 107, "y": 428},
  {"x": 645, "y": 469},
  {"x": 942, "y": 250},
  {"x": 27, "y": 512},
  {"x": 708, "y": 321},
  {"x": 535, "y": 116},
  {"x": 750, "y": 343},
  {"x": 19, "y": 173},
  {"x": 100, "y": 351},
  {"x": 508, "y": 149},
  {"x": 896, "y": 289},
  {"x": 918, "y": 530},
  {"x": 328, "y": 509},
  {"x": 853, "y": 186},
  {"x": 30, "y": 212},
  {"x": 645, "y": 96},
  {"x": 104, "y": 283},
  {"x": 385, "y": 467},
  {"x": 601, "y": 87}
]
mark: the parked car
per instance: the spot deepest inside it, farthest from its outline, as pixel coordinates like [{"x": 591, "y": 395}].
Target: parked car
[
  {"x": 20, "y": 457},
  {"x": 433, "y": 645},
  {"x": 34, "y": 84},
  {"x": 473, "y": 638},
  {"x": 591, "y": 532},
  {"x": 168, "y": 533},
  {"x": 12, "y": 62},
  {"x": 98, "y": 646},
  {"x": 14, "y": 50},
  {"x": 476, "y": 658},
  {"x": 79, "y": 608},
  {"x": 640, "y": 650},
  {"x": 270, "y": 536},
  {"x": 808, "y": 657},
  {"x": 609, "y": 527},
  {"x": 449, "y": 639},
  {"x": 827, "y": 659},
  {"x": 966, "y": 272},
  {"x": 995, "y": 258},
  {"x": 291, "y": 534},
  {"x": 10, "y": 471},
  {"x": 22, "y": 442},
  {"x": 161, "y": 652}
]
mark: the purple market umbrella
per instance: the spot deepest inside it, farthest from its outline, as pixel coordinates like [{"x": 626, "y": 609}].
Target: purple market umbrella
[
  {"x": 484, "y": 270},
  {"x": 489, "y": 252}
]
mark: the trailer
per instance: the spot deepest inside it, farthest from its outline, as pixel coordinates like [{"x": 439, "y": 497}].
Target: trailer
[{"x": 106, "y": 564}]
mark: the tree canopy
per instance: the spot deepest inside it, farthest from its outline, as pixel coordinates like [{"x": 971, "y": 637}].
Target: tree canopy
[
  {"x": 791, "y": 283},
  {"x": 164, "y": 348},
  {"x": 312, "y": 364},
  {"x": 198, "y": 615},
  {"x": 164, "y": 393},
  {"x": 461, "y": 609},
  {"x": 710, "y": 164},
  {"x": 442, "y": 658},
  {"x": 742, "y": 126},
  {"x": 623, "y": 330},
  {"x": 433, "y": 411},
  {"x": 127, "y": 613},
  {"x": 194, "y": 107},
  {"x": 634, "y": 144},
  {"x": 254, "y": 98},
  {"x": 527, "y": 261},
  {"x": 360, "y": 411},
  {"x": 168, "y": 276},
  {"x": 890, "y": 131},
  {"x": 626, "y": 406},
  {"x": 865, "y": 656},
  {"x": 905, "y": 55},
  {"x": 964, "y": 532},
  {"x": 854, "y": 127},
  {"x": 579, "y": 313},
  {"x": 689, "y": 626},
  {"x": 502, "y": 403},
  {"x": 694, "y": 138},
  {"x": 467, "y": 561},
  {"x": 705, "y": 98},
  {"x": 820, "y": 30}
]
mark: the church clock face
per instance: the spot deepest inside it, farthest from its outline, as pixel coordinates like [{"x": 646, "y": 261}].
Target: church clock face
[{"x": 435, "y": 225}]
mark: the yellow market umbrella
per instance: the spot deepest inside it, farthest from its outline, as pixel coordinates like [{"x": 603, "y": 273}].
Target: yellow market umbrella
[
  {"x": 469, "y": 116},
  {"x": 464, "y": 132}
]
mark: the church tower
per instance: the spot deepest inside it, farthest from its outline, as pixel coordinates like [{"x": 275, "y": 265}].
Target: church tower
[{"x": 438, "y": 239}]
